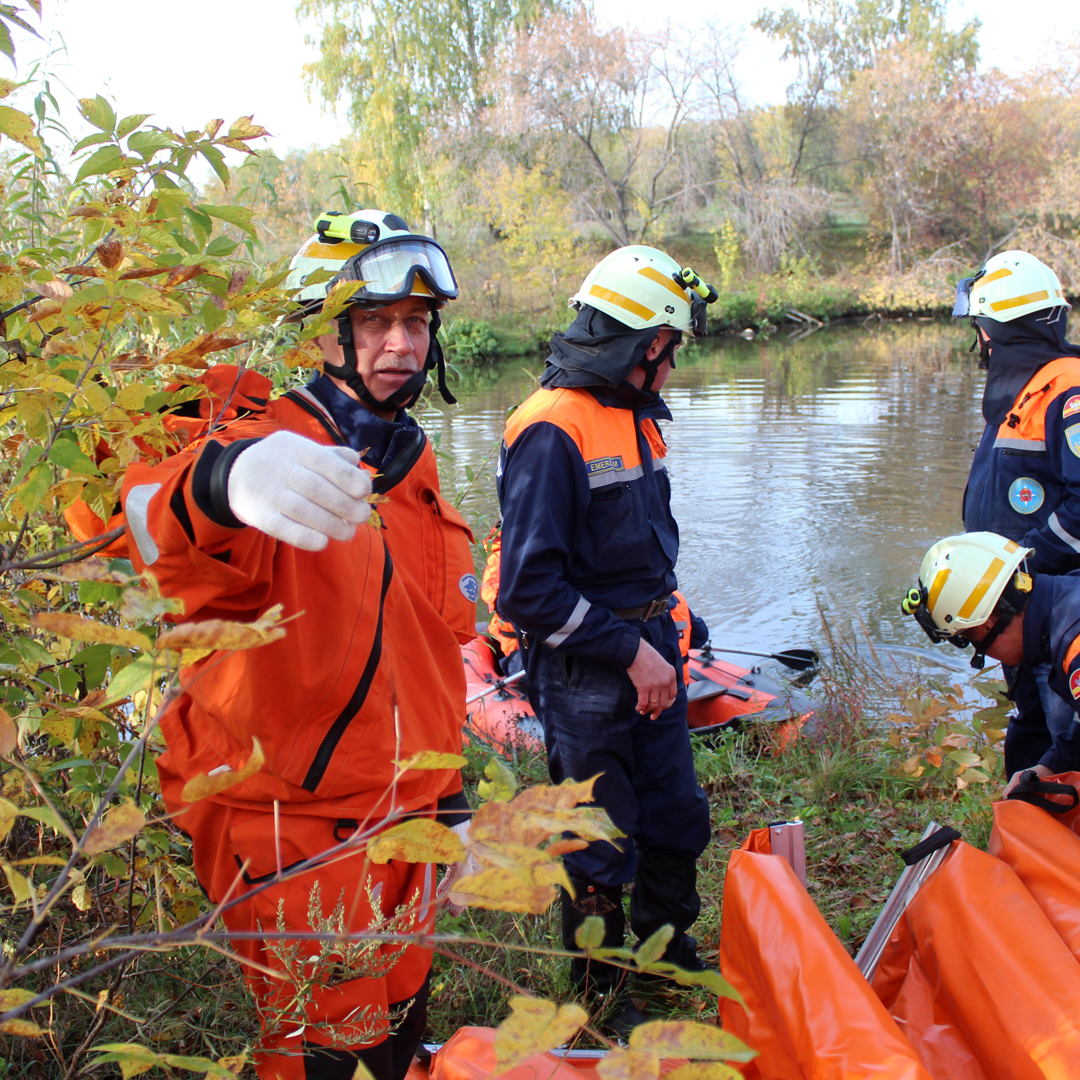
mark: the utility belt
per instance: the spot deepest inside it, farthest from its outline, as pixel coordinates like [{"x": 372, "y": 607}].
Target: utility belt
[{"x": 645, "y": 611}]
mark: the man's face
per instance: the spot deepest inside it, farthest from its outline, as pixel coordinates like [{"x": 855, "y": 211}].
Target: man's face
[
  {"x": 1009, "y": 645},
  {"x": 637, "y": 377},
  {"x": 391, "y": 345}
]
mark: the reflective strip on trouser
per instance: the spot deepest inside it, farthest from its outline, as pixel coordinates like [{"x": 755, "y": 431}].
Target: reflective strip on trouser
[
  {"x": 647, "y": 783},
  {"x": 387, "y": 974}
]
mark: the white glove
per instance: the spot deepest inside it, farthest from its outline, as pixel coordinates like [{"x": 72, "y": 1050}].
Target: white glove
[
  {"x": 468, "y": 865},
  {"x": 299, "y": 491}
]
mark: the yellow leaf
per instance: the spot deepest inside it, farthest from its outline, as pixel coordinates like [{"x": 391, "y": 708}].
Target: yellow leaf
[
  {"x": 500, "y": 785},
  {"x": 628, "y": 1065},
  {"x": 431, "y": 759},
  {"x": 499, "y": 889},
  {"x": 80, "y": 629},
  {"x": 689, "y": 1039},
  {"x": 420, "y": 840},
  {"x": 9, "y": 734},
  {"x": 118, "y": 826},
  {"x": 8, "y": 812},
  {"x": 235, "y": 1065},
  {"x": 704, "y": 1070},
  {"x": 203, "y": 785},
  {"x": 81, "y": 897},
  {"x": 534, "y": 1025},
  {"x": 19, "y": 127},
  {"x": 223, "y": 634},
  {"x": 362, "y": 1072},
  {"x": 19, "y": 885},
  {"x": 10, "y": 999},
  {"x": 21, "y": 1027}
]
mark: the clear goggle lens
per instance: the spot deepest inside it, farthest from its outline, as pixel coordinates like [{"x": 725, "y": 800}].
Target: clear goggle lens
[{"x": 389, "y": 269}]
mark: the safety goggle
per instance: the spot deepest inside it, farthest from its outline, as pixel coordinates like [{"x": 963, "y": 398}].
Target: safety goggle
[
  {"x": 962, "y": 304},
  {"x": 388, "y": 270}
]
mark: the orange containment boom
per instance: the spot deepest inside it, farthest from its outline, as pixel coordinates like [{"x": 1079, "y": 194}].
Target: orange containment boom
[
  {"x": 809, "y": 1012},
  {"x": 979, "y": 979}
]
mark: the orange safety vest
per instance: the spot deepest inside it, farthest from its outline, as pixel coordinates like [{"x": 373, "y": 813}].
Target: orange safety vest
[
  {"x": 498, "y": 627},
  {"x": 680, "y": 615}
]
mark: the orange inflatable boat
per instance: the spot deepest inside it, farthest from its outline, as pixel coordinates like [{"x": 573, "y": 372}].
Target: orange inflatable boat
[{"x": 721, "y": 695}]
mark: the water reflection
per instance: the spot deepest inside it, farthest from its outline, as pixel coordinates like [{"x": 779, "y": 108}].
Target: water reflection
[{"x": 805, "y": 474}]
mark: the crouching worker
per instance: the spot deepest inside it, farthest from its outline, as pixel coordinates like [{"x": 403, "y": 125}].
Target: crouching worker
[
  {"x": 589, "y": 547},
  {"x": 975, "y": 589},
  {"x": 272, "y": 509}
]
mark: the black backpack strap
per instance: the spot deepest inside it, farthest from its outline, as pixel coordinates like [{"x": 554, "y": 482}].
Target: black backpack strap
[{"x": 1032, "y": 788}]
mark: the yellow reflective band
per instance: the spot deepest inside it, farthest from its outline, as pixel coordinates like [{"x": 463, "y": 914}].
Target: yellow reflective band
[
  {"x": 622, "y": 301},
  {"x": 669, "y": 283},
  {"x": 935, "y": 588},
  {"x": 1019, "y": 301},
  {"x": 1011, "y": 546},
  {"x": 340, "y": 252},
  {"x": 995, "y": 276},
  {"x": 979, "y": 591}
]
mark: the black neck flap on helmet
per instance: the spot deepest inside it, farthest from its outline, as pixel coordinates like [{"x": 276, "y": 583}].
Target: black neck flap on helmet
[
  {"x": 597, "y": 350},
  {"x": 405, "y": 396},
  {"x": 1013, "y": 600}
]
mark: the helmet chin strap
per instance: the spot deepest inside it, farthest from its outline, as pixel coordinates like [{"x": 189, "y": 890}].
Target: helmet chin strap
[
  {"x": 406, "y": 395},
  {"x": 652, "y": 367}
]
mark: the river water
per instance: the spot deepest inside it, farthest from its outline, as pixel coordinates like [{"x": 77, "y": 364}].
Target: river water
[{"x": 808, "y": 475}]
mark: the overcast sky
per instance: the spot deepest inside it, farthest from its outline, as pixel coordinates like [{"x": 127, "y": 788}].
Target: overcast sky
[{"x": 191, "y": 61}]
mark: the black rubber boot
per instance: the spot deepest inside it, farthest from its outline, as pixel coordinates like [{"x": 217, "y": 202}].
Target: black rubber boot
[
  {"x": 664, "y": 893},
  {"x": 602, "y": 986},
  {"x": 606, "y": 902}
]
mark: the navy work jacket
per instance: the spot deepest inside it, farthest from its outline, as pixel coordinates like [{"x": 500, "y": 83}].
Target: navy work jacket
[{"x": 587, "y": 525}]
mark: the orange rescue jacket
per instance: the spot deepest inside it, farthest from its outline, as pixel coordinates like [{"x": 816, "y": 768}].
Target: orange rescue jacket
[{"x": 369, "y": 670}]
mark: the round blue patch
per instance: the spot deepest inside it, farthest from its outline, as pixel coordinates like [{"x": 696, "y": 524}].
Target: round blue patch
[
  {"x": 1026, "y": 495},
  {"x": 470, "y": 587}
]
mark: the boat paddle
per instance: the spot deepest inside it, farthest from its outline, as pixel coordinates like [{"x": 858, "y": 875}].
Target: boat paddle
[
  {"x": 497, "y": 685},
  {"x": 796, "y": 659}
]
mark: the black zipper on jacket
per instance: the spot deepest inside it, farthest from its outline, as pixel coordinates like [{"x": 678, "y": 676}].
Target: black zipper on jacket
[
  {"x": 314, "y": 410},
  {"x": 359, "y": 695}
]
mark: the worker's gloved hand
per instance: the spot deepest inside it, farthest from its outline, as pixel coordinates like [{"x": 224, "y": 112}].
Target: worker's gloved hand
[
  {"x": 468, "y": 865},
  {"x": 299, "y": 491}
]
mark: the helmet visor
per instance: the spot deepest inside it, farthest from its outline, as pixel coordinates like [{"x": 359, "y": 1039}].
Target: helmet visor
[
  {"x": 388, "y": 269},
  {"x": 962, "y": 304}
]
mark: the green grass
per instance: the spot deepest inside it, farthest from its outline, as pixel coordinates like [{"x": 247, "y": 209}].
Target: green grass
[{"x": 846, "y": 784}]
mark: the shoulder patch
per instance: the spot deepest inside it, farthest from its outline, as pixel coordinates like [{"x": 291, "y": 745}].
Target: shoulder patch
[
  {"x": 1072, "y": 405},
  {"x": 1072, "y": 437},
  {"x": 606, "y": 464},
  {"x": 1026, "y": 495},
  {"x": 1074, "y": 683},
  {"x": 469, "y": 586}
]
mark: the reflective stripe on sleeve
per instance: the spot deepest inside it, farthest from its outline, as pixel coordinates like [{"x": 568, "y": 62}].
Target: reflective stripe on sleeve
[
  {"x": 1062, "y": 533},
  {"x": 135, "y": 511},
  {"x": 577, "y": 616},
  {"x": 1034, "y": 446},
  {"x": 615, "y": 476}
]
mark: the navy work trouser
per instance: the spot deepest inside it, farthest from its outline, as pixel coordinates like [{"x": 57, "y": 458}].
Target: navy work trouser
[{"x": 647, "y": 786}]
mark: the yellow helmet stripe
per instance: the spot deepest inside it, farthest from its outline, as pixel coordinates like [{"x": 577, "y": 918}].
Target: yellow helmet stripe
[
  {"x": 935, "y": 588},
  {"x": 622, "y": 301},
  {"x": 1004, "y": 271},
  {"x": 1018, "y": 301},
  {"x": 669, "y": 283},
  {"x": 339, "y": 252},
  {"x": 1011, "y": 546},
  {"x": 972, "y": 602}
]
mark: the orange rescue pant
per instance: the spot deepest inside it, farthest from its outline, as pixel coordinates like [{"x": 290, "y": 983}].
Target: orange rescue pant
[{"x": 349, "y": 894}]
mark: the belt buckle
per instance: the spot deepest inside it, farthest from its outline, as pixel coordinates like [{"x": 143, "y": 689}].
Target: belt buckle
[{"x": 655, "y": 607}]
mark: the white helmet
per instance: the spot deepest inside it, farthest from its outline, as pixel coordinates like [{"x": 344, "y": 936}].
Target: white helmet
[
  {"x": 394, "y": 261},
  {"x": 1011, "y": 284},
  {"x": 962, "y": 579},
  {"x": 637, "y": 286}
]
